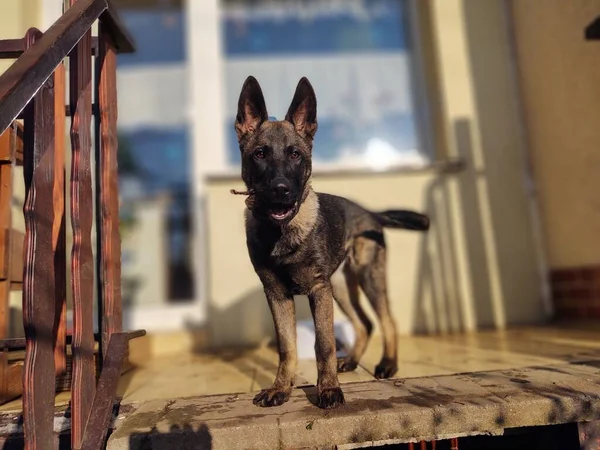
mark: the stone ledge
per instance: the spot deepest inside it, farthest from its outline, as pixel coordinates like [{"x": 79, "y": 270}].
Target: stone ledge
[{"x": 394, "y": 411}]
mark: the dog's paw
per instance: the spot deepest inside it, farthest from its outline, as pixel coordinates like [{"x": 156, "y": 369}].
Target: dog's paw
[
  {"x": 346, "y": 364},
  {"x": 271, "y": 397},
  {"x": 330, "y": 398},
  {"x": 387, "y": 368}
]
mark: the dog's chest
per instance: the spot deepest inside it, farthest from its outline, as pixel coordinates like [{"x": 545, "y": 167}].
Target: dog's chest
[
  {"x": 298, "y": 265},
  {"x": 287, "y": 250},
  {"x": 300, "y": 278}
]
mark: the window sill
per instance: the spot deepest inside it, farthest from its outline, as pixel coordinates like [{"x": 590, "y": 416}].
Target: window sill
[{"x": 440, "y": 167}]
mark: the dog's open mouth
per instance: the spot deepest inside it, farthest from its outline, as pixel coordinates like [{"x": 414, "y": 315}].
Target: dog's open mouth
[{"x": 281, "y": 213}]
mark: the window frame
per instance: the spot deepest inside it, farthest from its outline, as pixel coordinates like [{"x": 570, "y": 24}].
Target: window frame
[{"x": 220, "y": 168}]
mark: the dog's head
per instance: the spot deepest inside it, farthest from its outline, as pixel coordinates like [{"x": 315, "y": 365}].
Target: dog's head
[{"x": 276, "y": 156}]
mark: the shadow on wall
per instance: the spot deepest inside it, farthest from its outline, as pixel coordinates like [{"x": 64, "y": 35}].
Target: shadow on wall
[
  {"x": 441, "y": 303},
  {"x": 496, "y": 283},
  {"x": 248, "y": 319},
  {"x": 480, "y": 264},
  {"x": 501, "y": 177}
]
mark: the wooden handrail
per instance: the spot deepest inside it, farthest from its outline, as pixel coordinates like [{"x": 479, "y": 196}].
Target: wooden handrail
[
  {"x": 13, "y": 48},
  {"x": 23, "y": 79}
]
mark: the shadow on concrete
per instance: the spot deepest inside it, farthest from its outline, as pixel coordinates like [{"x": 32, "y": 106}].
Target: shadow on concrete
[
  {"x": 548, "y": 437},
  {"x": 184, "y": 437},
  {"x": 60, "y": 442}
]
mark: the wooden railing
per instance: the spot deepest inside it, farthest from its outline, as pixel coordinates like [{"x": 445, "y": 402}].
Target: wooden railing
[{"x": 33, "y": 89}]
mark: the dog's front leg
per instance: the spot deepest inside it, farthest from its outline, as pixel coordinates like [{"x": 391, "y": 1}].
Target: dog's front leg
[
  {"x": 284, "y": 316},
  {"x": 329, "y": 393}
]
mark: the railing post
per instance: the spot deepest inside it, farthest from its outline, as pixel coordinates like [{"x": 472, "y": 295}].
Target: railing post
[
  {"x": 107, "y": 193},
  {"x": 82, "y": 264},
  {"x": 38, "y": 274},
  {"x": 59, "y": 224},
  {"x": 6, "y": 182}
]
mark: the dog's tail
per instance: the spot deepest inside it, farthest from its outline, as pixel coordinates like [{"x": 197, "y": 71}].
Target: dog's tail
[{"x": 407, "y": 220}]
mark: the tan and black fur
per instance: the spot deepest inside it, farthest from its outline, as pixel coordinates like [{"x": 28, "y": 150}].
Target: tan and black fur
[{"x": 314, "y": 244}]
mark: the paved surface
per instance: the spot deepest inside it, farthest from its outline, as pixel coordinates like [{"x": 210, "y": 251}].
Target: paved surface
[
  {"x": 175, "y": 373},
  {"x": 447, "y": 386},
  {"x": 403, "y": 410}
]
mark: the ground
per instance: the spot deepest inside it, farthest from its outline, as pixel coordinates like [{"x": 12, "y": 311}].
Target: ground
[{"x": 448, "y": 386}]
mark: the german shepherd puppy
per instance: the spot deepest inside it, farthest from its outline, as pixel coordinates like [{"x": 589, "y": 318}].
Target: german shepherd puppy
[{"x": 307, "y": 243}]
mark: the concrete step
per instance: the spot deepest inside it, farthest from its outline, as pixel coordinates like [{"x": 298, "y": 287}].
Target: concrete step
[{"x": 385, "y": 412}]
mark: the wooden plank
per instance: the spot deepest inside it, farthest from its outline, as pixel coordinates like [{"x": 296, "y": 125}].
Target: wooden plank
[
  {"x": 4, "y": 395},
  {"x": 11, "y": 247},
  {"x": 17, "y": 140},
  {"x": 13, "y": 382},
  {"x": 11, "y": 48},
  {"x": 6, "y": 181},
  {"x": 38, "y": 275},
  {"x": 107, "y": 225},
  {"x": 99, "y": 420},
  {"x": 59, "y": 224},
  {"x": 6, "y": 145},
  {"x": 82, "y": 264},
  {"x": 19, "y": 343},
  {"x": 11, "y": 144},
  {"x": 17, "y": 239}
]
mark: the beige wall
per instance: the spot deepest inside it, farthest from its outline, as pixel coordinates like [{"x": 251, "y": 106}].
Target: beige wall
[
  {"x": 16, "y": 17},
  {"x": 478, "y": 266},
  {"x": 560, "y": 77},
  {"x": 19, "y": 15}
]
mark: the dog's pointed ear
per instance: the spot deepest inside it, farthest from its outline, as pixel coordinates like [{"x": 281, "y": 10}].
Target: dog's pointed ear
[
  {"x": 252, "y": 111},
  {"x": 303, "y": 110}
]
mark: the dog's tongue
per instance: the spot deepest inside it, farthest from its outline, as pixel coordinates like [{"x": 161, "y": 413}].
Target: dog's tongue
[{"x": 279, "y": 213}]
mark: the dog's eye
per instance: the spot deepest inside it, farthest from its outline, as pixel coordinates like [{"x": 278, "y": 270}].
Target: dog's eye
[
  {"x": 260, "y": 153},
  {"x": 295, "y": 154}
]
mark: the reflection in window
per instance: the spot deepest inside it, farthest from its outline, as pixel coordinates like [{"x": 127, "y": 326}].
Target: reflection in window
[
  {"x": 154, "y": 158},
  {"x": 357, "y": 56}
]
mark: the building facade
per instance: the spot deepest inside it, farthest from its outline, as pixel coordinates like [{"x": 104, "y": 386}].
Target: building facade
[{"x": 404, "y": 87}]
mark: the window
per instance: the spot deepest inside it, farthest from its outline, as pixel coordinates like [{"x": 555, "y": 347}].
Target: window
[
  {"x": 357, "y": 55},
  {"x": 154, "y": 156}
]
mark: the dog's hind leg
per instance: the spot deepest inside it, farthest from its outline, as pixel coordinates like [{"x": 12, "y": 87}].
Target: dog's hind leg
[
  {"x": 346, "y": 294},
  {"x": 372, "y": 278}
]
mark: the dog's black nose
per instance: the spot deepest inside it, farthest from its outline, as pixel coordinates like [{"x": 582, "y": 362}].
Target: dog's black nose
[{"x": 280, "y": 188}]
